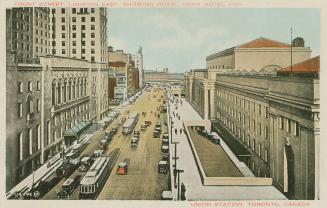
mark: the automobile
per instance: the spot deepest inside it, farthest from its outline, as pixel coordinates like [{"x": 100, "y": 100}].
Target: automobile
[
  {"x": 136, "y": 133},
  {"x": 215, "y": 138},
  {"x": 113, "y": 130},
  {"x": 165, "y": 141},
  {"x": 121, "y": 121},
  {"x": 165, "y": 136},
  {"x": 134, "y": 142},
  {"x": 98, "y": 153},
  {"x": 77, "y": 148},
  {"x": 165, "y": 149},
  {"x": 166, "y": 195},
  {"x": 103, "y": 144},
  {"x": 68, "y": 187},
  {"x": 122, "y": 168},
  {"x": 163, "y": 167},
  {"x": 85, "y": 164},
  {"x": 158, "y": 129},
  {"x": 143, "y": 127},
  {"x": 108, "y": 137},
  {"x": 165, "y": 157},
  {"x": 156, "y": 134},
  {"x": 148, "y": 123},
  {"x": 71, "y": 155}
]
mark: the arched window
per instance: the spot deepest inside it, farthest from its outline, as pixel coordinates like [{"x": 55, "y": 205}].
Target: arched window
[
  {"x": 59, "y": 92},
  {"x": 69, "y": 90},
  {"x": 73, "y": 89},
  {"x": 30, "y": 105},
  {"x": 77, "y": 88},
  {"x": 85, "y": 86}
]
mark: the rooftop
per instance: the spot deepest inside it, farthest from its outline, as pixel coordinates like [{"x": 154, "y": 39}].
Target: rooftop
[
  {"x": 264, "y": 43},
  {"x": 308, "y": 66}
]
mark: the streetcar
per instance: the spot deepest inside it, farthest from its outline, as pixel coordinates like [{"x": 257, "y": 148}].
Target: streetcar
[
  {"x": 95, "y": 178},
  {"x": 130, "y": 123}
]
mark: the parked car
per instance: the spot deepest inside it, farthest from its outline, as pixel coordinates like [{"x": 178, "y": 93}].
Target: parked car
[
  {"x": 166, "y": 195},
  {"x": 137, "y": 133},
  {"x": 113, "y": 130},
  {"x": 156, "y": 134},
  {"x": 143, "y": 127},
  {"x": 163, "y": 167},
  {"x": 165, "y": 149},
  {"x": 165, "y": 136},
  {"x": 123, "y": 167},
  {"x": 165, "y": 141},
  {"x": 68, "y": 187},
  {"x": 85, "y": 164}
]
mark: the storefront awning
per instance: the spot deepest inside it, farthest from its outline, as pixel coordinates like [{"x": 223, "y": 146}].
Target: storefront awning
[{"x": 77, "y": 130}]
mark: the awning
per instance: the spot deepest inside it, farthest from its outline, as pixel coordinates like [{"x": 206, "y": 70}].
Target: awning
[
  {"x": 237, "y": 148},
  {"x": 77, "y": 130}
]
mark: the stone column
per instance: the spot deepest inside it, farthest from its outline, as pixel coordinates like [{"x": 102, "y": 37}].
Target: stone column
[
  {"x": 213, "y": 103},
  {"x": 205, "y": 106}
]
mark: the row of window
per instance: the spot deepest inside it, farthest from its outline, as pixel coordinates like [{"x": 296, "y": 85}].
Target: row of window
[
  {"x": 289, "y": 125},
  {"x": 242, "y": 103},
  {"x": 75, "y": 10},
  {"x": 29, "y": 107},
  {"x": 33, "y": 136},
  {"x": 67, "y": 92},
  {"x": 63, "y": 43},
  {"x": 29, "y": 86},
  {"x": 241, "y": 135},
  {"x": 219, "y": 67},
  {"x": 83, "y": 35}
]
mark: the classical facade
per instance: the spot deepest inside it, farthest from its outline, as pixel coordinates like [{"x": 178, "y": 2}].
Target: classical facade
[{"x": 79, "y": 33}]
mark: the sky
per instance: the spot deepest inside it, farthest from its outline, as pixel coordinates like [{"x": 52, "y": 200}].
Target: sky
[{"x": 180, "y": 39}]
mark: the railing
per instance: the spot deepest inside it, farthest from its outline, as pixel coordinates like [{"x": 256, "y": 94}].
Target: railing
[{"x": 70, "y": 104}]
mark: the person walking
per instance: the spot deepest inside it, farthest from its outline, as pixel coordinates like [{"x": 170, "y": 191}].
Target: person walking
[
  {"x": 175, "y": 131},
  {"x": 180, "y": 131}
]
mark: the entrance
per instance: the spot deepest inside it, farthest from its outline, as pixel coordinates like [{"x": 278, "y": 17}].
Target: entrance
[{"x": 289, "y": 171}]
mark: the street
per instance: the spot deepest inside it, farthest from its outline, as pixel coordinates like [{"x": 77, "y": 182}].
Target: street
[{"x": 143, "y": 180}]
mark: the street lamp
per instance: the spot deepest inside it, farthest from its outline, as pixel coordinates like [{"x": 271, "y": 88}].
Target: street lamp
[{"x": 175, "y": 165}]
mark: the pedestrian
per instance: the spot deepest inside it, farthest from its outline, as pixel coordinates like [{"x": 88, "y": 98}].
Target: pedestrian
[
  {"x": 179, "y": 118},
  {"x": 175, "y": 131},
  {"x": 180, "y": 131},
  {"x": 183, "y": 190}
]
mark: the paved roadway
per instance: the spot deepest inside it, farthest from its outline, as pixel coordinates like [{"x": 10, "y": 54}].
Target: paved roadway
[{"x": 142, "y": 180}]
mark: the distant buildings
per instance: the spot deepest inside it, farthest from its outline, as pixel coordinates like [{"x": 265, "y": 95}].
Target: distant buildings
[
  {"x": 265, "y": 110},
  {"x": 126, "y": 73},
  {"x": 162, "y": 76},
  {"x": 138, "y": 59},
  {"x": 48, "y": 95}
]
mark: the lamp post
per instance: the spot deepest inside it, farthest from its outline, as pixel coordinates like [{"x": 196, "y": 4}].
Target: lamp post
[{"x": 175, "y": 165}]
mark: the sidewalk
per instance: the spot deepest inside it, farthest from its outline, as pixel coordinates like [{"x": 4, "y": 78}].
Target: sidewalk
[{"x": 191, "y": 178}]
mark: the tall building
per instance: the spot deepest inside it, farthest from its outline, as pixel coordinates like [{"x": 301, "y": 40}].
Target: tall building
[
  {"x": 48, "y": 97},
  {"x": 28, "y": 33},
  {"x": 138, "y": 59},
  {"x": 79, "y": 33}
]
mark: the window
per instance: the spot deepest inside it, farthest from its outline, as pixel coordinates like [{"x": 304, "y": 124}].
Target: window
[
  {"x": 74, "y": 43},
  {"x": 253, "y": 124},
  {"x": 92, "y": 35},
  {"x": 30, "y": 141},
  {"x": 83, "y": 35},
  {"x": 243, "y": 118},
  {"x": 288, "y": 125},
  {"x": 20, "y": 110},
  {"x": 74, "y": 36},
  {"x": 253, "y": 145},
  {"x": 92, "y": 58},
  {"x": 63, "y": 51},
  {"x": 20, "y": 87},
  {"x": 259, "y": 150},
  {"x": 74, "y": 50},
  {"x": 83, "y": 57},
  {"x": 38, "y": 105},
  {"x": 266, "y": 112},
  {"x": 63, "y": 27},
  {"x": 30, "y": 86},
  {"x": 63, "y": 43},
  {"x": 63, "y": 35},
  {"x": 92, "y": 19},
  {"x": 259, "y": 109},
  {"x": 53, "y": 43},
  {"x": 92, "y": 50},
  {"x": 83, "y": 43},
  {"x": 73, "y": 19},
  {"x": 83, "y": 51},
  {"x": 281, "y": 123},
  {"x": 83, "y": 19},
  {"x": 63, "y": 11},
  {"x": 20, "y": 144},
  {"x": 74, "y": 10},
  {"x": 54, "y": 51},
  {"x": 92, "y": 42},
  {"x": 266, "y": 155},
  {"x": 260, "y": 128},
  {"x": 73, "y": 27},
  {"x": 38, "y": 137},
  {"x": 62, "y": 19},
  {"x": 253, "y": 166},
  {"x": 92, "y": 10},
  {"x": 296, "y": 129},
  {"x": 248, "y": 141},
  {"x": 266, "y": 132},
  {"x": 92, "y": 27},
  {"x": 83, "y": 27}
]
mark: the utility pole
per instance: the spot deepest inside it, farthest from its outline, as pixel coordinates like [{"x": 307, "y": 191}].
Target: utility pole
[{"x": 175, "y": 165}]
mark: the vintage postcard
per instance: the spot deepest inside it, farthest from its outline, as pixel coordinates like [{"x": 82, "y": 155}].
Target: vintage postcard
[{"x": 163, "y": 103}]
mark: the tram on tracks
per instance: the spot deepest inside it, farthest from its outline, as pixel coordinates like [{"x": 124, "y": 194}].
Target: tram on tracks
[
  {"x": 95, "y": 178},
  {"x": 130, "y": 123}
]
